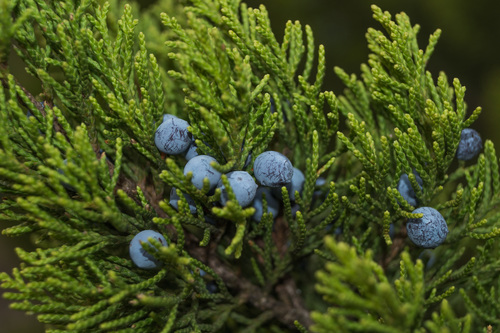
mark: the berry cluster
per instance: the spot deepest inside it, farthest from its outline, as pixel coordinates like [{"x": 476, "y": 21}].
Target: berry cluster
[
  {"x": 272, "y": 170},
  {"x": 431, "y": 230}
]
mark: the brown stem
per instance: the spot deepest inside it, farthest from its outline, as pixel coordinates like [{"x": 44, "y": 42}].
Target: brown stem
[
  {"x": 397, "y": 246},
  {"x": 286, "y": 309}
]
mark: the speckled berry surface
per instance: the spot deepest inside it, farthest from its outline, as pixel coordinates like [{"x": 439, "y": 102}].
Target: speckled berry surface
[
  {"x": 201, "y": 168},
  {"x": 273, "y": 169},
  {"x": 191, "y": 152},
  {"x": 168, "y": 116},
  {"x": 141, "y": 257},
  {"x": 429, "y": 231},
  {"x": 406, "y": 190},
  {"x": 470, "y": 144},
  {"x": 273, "y": 206},
  {"x": 296, "y": 184},
  {"x": 243, "y": 186},
  {"x": 174, "y": 201},
  {"x": 172, "y": 136}
]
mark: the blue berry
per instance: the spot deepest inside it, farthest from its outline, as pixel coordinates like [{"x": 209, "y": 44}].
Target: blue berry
[
  {"x": 296, "y": 184},
  {"x": 320, "y": 182},
  {"x": 168, "y": 116},
  {"x": 429, "y": 231},
  {"x": 470, "y": 144},
  {"x": 201, "y": 168},
  {"x": 191, "y": 152},
  {"x": 172, "y": 136},
  {"x": 406, "y": 190},
  {"x": 273, "y": 205},
  {"x": 273, "y": 169},
  {"x": 141, "y": 257},
  {"x": 428, "y": 255},
  {"x": 243, "y": 186},
  {"x": 174, "y": 201}
]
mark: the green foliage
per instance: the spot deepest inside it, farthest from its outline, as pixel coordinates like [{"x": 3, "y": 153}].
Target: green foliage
[
  {"x": 363, "y": 299},
  {"x": 80, "y": 173}
]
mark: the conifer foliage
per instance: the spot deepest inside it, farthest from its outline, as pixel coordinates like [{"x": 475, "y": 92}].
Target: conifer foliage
[{"x": 80, "y": 172}]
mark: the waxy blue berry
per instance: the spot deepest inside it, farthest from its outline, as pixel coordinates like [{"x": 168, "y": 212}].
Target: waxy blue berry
[
  {"x": 406, "y": 190},
  {"x": 296, "y": 184},
  {"x": 273, "y": 169},
  {"x": 174, "y": 201},
  {"x": 172, "y": 136},
  {"x": 470, "y": 144},
  {"x": 320, "y": 182},
  {"x": 168, "y": 116},
  {"x": 243, "y": 186},
  {"x": 191, "y": 152},
  {"x": 141, "y": 257},
  {"x": 273, "y": 206},
  {"x": 429, "y": 231},
  {"x": 201, "y": 168}
]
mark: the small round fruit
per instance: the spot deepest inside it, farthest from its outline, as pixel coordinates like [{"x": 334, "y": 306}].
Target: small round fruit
[
  {"x": 174, "y": 201},
  {"x": 172, "y": 136},
  {"x": 296, "y": 184},
  {"x": 429, "y": 231},
  {"x": 273, "y": 206},
  {"x": 191, "y": 152},
  {"x": 273, "y": 169},
  {"x": 168, "y": 116},
  {"x": 201, "y": 168},
  {"x": 243, "y": 186},
  {"x": 320, "y": 182},
  {"x": 141, "y": 257},
  {"x": 470, "y": 144},
  {"x": 406, "y": 190}
]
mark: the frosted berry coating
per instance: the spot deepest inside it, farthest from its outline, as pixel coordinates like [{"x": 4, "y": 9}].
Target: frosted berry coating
[
  {"x": 174, "y": 201},
  {"x": 470, "y": 144},
  {"x": 141, "y": 257},
  {"x": 320, "y": 182},
  {"x": 201, "y": 168},
  {"x": 406, "y": 190},
  {"x": 243, "y": 186},
  {"x": 191, "y": 152},
  {"x": 273, "y": 169},
  {"x": 167, "y": 116},
  {"x": 429, "y": 231},
  {"x": 273, "y": 206},
  {"x": 296, "y": 184},
  {"x": 172, "y": 136}
]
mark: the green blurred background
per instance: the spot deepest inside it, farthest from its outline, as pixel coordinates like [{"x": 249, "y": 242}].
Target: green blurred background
[{"x": 468, "y": 49}]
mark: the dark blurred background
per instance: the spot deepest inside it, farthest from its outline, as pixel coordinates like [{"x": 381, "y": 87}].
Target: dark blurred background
[{"x": 468, "y": 49}]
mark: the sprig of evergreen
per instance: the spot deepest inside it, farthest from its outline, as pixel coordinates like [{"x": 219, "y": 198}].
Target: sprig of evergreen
[{"x": 80, "y": 173}]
